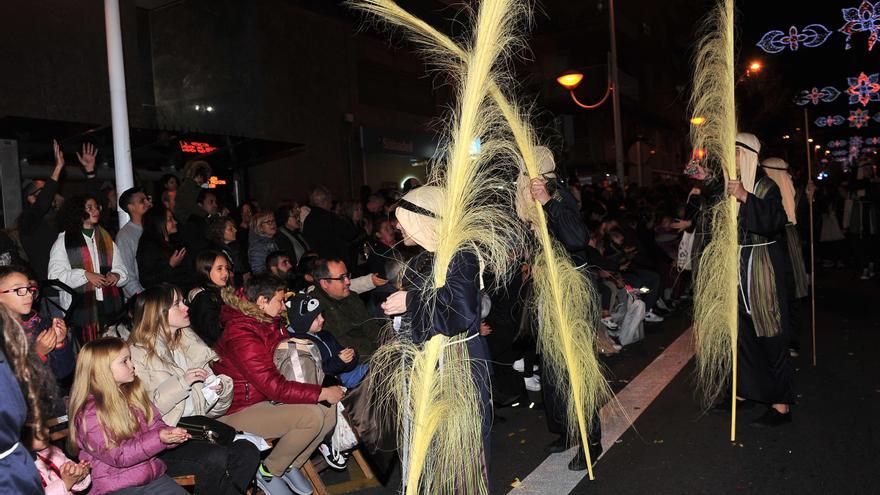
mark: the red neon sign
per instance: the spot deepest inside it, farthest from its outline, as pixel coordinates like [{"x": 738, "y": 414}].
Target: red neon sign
[{"x": 196, "y": 147}]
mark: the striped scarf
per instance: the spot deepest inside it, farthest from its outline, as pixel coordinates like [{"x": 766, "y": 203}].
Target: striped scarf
[
  {"x": 88, "y": 312},
  {"x": 762, "y": 297}
]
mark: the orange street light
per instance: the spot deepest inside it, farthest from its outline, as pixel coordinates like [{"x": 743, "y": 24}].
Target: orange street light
[
  {"x": 755, "y": 66},
  {"x": 698, "y": 120},
  {"x": 570, "y": 81}
]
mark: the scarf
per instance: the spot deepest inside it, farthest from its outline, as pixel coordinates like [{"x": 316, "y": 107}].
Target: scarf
[
  {"x": 763, "y": 303},
  {"x": 88, "y": 311},
  {"x": 777, "y": 169}
]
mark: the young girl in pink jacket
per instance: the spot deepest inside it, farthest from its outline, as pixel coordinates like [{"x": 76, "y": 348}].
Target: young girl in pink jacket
[{"x": 115, "y": 427}]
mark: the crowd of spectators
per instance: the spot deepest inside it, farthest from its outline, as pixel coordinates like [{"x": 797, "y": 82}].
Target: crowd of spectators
[{"x": 180, "y": 312}]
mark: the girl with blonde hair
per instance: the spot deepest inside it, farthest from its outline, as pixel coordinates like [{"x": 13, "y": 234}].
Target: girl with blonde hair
[
  {"x": 115, "y": 427},
  {"x": 174, "y": 366}
]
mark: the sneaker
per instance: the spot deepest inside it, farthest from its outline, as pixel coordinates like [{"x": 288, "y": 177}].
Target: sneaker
[
  {"x": 335, "y": 460},
  {"x": 533, "y": 383},
  {"x": 663, "y": 306},
  {"x": 609, "y": 323},
  {"x": 652, "y": 317},
  {"x": 520, "y": 365},
  {"x": 793, "y": 352},
  {"x": 271, "y": 485},
  {"x": 297, "y": 482}
]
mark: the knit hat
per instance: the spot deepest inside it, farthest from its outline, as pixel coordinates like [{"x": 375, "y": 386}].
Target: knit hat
[{"x": 302, "y": 309}]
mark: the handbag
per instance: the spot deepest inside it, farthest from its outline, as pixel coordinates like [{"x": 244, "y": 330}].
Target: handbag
[{"x": 205, "y": 429}]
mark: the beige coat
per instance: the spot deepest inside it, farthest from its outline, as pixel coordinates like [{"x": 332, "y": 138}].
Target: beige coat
[{"x": 164, "y": 380}]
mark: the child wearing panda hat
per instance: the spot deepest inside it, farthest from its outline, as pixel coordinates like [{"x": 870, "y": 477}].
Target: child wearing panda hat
[{"x": 307, "y": 322}]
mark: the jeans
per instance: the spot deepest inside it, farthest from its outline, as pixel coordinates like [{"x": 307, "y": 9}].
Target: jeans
[
  {"x": 645, "y": 278},
  {"x": 218, "y": 469}
]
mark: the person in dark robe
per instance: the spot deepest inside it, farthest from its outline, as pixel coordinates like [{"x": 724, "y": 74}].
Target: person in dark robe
[
  {"x": 764, "y": 367},
  {"x": 566, "y": 226}
]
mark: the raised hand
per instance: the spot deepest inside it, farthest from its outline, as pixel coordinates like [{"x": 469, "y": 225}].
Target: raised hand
[
  {"x": 59, "y": 155},
  {"x": 87, "y": 157}
]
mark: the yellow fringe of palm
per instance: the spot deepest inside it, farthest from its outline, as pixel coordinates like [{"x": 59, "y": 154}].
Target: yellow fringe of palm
[
  {"x": 568, "y": 305},
  {"x": 443, "y": 448},
  {"x": 437, "y": 404},
  {"x": 715, "y": 302}
]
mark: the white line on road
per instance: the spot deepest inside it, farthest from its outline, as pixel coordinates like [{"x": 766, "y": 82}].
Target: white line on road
[{"x": 553, "y": 475}]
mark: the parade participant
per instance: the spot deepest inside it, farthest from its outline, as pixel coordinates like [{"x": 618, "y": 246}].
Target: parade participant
[{"x": 765, "y": 372}]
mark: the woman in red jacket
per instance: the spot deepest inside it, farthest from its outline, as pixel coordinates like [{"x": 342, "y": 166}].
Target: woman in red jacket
[{"x": 264, "y": 402}]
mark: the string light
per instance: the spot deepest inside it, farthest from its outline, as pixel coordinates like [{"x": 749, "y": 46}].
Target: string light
[
  {"x": 810, "y": 36},
  {"x": 862, "y": 19},
  {"x": 830, "y": 121},
  {"x": 859, "y": 118},
  {"x": 815, "y": 95},
  {"x": 863, "y": 88}
]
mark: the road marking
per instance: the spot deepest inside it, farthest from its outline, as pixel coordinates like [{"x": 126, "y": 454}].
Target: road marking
[{"x": 553, "y": 475}]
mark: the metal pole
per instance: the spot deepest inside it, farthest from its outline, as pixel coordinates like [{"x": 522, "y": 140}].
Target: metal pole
[
  {"x": 615, "y": 100},
  {"x": 812, "y": 249},
  {"x": 118, "y": 103}
]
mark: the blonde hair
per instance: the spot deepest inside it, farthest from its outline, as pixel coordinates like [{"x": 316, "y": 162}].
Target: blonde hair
[
  {"x": 256, "y": 224},
  {"x": 115, "y": 402},
  {"x": 150, "y": 318}
]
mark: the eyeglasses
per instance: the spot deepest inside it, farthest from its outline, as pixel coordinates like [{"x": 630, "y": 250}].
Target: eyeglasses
[
  {"x": 268, "y": 222},
  {"x": 344, "y": 276},
  {"x": 22, "y": 291}
]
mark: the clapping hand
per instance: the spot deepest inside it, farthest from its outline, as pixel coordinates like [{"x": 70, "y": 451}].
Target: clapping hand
[
  {"x": 72, "y": 473},
  {"x": 46, "y": 341},
  {"x": 173, "y": 435},
  {"x": 60, "y": 329}
]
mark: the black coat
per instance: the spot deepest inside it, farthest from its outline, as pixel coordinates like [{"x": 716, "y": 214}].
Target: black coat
[
  {"x": 204, "y": 314},
  {"x": 329, "y": 235},
  {"x": 37, "y": 229},
  {"x": 153, "y": 267}
]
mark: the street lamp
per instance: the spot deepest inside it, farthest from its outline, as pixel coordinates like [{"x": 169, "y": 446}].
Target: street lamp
[{"x": 570, "y": 81}]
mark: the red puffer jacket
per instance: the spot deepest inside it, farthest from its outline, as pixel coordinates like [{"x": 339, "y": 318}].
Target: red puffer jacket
[{"x": 246, "y": 348}]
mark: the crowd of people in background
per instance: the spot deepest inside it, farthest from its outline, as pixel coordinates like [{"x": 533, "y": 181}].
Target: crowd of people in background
[{"x": 177, "y": 315}]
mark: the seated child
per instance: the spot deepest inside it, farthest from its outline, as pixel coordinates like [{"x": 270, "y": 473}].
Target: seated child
[
  {"x": 306, "y": 322},
  {"x": 60, "y": 475},
  {"x": 115, "y": 427}
]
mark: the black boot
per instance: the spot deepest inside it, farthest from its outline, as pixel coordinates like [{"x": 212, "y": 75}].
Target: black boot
[
  {"x": 559, "y": 445},
  {"x": 579, "y": 462}
]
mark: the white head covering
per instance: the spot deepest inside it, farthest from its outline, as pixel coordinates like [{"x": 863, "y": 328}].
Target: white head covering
[
  {"x": 419, "y": 214},
  {"x": 777, "y": 169},
  {"x": 525, "y": 205},
  {"x": 747, "y": 149}
]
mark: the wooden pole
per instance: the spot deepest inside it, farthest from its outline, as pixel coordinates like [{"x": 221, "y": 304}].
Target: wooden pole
[{"x": 812, "y": 244}]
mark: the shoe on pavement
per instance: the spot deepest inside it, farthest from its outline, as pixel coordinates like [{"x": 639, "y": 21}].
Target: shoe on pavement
[
  {"x": 533, "y": 383},
  {"x": 609, "y": 323},
  {"x": 793, "y": 352},
  {"x": 579, "y": 461},
  {"x": 336, "y": 460},
  {"x": 771, "y": 418},
  {"x": 557, "y": 446},
  {"x": 297, "y": 482},
  {"x": 652, "y": 317},
  {"x": 272, "y": 485},
  {"x": 520, "y": 365},
  {"x": 662, "y": 305}
]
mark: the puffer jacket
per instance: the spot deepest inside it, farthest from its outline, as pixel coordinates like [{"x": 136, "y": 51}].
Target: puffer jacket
[
  {"x": 164, "y": 380},
  {"x": 131, "y": 463},
  {"x": 246, "y": 350}
]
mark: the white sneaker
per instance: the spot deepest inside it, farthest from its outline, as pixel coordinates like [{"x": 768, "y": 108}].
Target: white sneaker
[
  {"x": 609, "y": 323},
  {"x": 533, "y": 383},
  {"x": 651, "y": 317},
  {"x": 520, "y": 365},
  {"x": 335, "y": 460}
]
